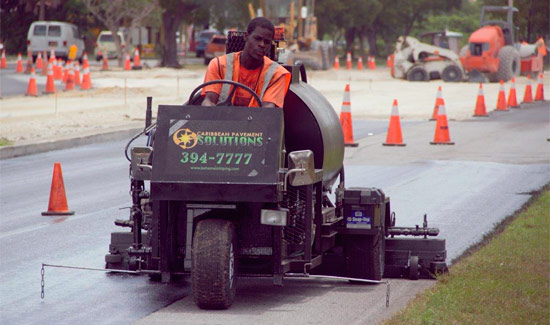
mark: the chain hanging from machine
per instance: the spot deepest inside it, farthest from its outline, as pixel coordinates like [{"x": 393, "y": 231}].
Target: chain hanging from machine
[{"x": 294, "y": 201}]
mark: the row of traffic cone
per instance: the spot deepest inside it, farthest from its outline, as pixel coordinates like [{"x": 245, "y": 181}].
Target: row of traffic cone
[
  {"x": 512, "y": 102},
  {"x": 71, "y": 80},
  {"x": 394, "y": 136},
  {"x": 371, "y": 63},
  {"x": 127, "y": 64},
  {"x": 137, "y": 62}
]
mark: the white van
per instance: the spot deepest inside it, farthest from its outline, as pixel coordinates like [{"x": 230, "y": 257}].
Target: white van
[
  {"x": 44, "y": 35},
  {"x": 106, "y": 44}
]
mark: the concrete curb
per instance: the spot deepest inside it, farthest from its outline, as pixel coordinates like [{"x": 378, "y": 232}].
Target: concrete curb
[{"x": 34, "y": 148}]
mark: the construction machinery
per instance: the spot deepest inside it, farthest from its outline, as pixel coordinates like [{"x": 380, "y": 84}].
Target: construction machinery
[
  {"x": 300, "y": 25},
  {"x": 228, "y": 192},
  {"x": 493, "y": 52},
  {"x": 418, "y": 61}
]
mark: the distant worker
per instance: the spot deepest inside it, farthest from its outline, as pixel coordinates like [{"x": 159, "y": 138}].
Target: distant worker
[{"x": 250, "y": 67}]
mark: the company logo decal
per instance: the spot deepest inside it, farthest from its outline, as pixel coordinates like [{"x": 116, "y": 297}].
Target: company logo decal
[{"x": 185, "y": 138}]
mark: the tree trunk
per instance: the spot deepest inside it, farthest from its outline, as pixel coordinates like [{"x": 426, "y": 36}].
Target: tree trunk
[
  {"x": 350, "y": 38},
  {"x": 410, "y": 24},
  {"x": 529, "y": 22},
  {"x": 171, "y": 22},
  {"x": 42, "y": 15},
  {"x": 118, "y": 44},
  {"x": 371, "y": 39}
]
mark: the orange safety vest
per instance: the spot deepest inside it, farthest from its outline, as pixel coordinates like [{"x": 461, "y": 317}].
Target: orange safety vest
[
  {"x": 230, "y": 66},
  {"x": 541, "y": 46}
]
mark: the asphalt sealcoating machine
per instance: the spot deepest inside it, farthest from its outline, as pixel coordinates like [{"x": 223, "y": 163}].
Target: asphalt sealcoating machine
[{"x": 225, "y": 192}]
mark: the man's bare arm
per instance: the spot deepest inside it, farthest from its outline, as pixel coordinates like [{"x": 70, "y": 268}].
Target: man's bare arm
[
  {"x": 210, "y": 99},
  {"x": 268, "y": 104}
]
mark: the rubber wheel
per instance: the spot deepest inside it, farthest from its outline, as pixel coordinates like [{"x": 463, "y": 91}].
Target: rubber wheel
[
  {"x": 365, "y": 256},
  {"x": 213, "y": 269},
  {"x": 451, "y": 73},
  {"x": 509, "y": 64},
  {"x": 414, "y": 270},
  {"x": 417, "y": 74}
]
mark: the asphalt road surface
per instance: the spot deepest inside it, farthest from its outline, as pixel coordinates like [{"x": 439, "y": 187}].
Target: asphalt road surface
[{"x": 465, "y": 189}]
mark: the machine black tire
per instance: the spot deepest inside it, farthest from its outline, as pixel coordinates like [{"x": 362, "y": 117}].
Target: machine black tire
[
  {"x": 414, "y": 271},
  {"x": 417, "y": 73},
  {"x": 509, "y": 64},
  {"x": 213, "y": 270},
  {"x": 365, "y": 256},
  {"x": 451, "y": 73}
]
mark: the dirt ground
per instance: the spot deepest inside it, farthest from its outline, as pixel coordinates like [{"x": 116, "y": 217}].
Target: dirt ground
[{"x": 118, "y": 100}]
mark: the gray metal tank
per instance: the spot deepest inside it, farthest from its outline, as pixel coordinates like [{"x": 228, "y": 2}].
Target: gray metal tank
[{"x": 311, "y": 123}]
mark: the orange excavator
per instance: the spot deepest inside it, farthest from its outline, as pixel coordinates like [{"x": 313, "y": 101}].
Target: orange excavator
[{"x": 493, "y": 51}]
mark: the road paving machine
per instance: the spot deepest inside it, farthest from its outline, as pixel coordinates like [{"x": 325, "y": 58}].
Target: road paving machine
[{"x": 221, "y": 193}]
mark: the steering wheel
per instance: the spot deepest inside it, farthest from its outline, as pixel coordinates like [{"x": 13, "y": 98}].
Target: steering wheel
[{"x": 226, "y": 102}]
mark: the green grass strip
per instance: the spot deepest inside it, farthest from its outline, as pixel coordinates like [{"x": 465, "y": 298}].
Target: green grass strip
[
  {"x": 5, "y": 142},
  {"x": 506, "y": 281}
]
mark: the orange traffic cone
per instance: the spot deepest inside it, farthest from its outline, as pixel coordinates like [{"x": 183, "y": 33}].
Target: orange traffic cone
[
  {"x": 85, "y": 59},
  {"x": 58, "y": 201},
  {"x": 3, "y": 64},
  {"x": 388, "y": 61},
  {"x": 438, "y": 102},
  {"x": 19, "y": 66},
  {"x": 69, "y": 84},
  {"x": 480, "y": 110},
  {"x": 86, "y": 79},
  {"x": 501, "y": 100},
  {"x": 348, "y": 61},
  {"x": 394, "y": 136},
  {"x": 539, "y": 94},
  {"x": 66, "y": 71},
  {"x": 360, "y": 63},
  {"x": 31, "y": 88},
  {"x": 52, "y": 54},
  {"x": 528, "y": 94},
  {"x": 105, "y": 66},
  {"x": 39, "y": 61},
  {"x": 512, "y": 98},
  {"x": 58, "y": 70},
  {"x": 442, "y": 128},
  {"x": 28, "y": 65},
  {"x": 76, "y": 73},
  {"x": 336, "y": 63},
  {"x": 372, "y": 63},
  {"x": 137, "y": 63},
  {"x": 45, "y": 63},
  {"x": 345, "y": 119},
  {"x": 127, "y": 65},
  {"x": 50, "y": 84}
]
